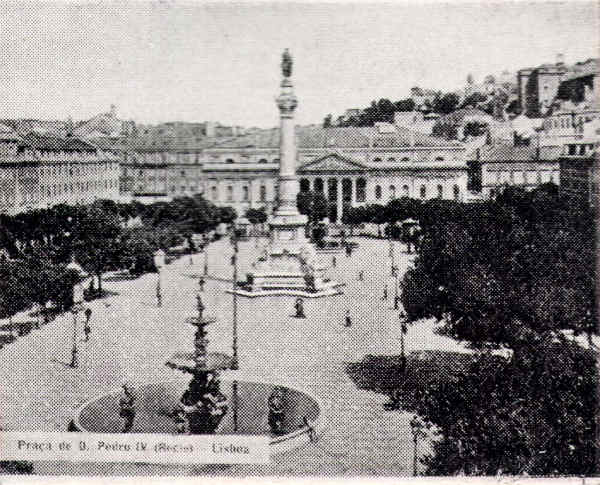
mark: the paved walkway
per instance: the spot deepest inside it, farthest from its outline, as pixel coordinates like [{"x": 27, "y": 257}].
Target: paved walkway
[{"x": 131, "y": 339}]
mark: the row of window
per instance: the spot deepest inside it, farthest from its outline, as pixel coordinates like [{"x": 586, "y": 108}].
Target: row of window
[
  {"x": 77, "y": 170},
  {"x": 214, "y": 193},
  {"x": 580, "y": 149},
  {"x": 59, "y": 189},
  {"x": 403, "y": 159},
  {"x": 422, "y": 191},
  {"x": 262, "y": 160},
  {"x": 567, "y": 121},
  {"x": 526, "y": 177}
]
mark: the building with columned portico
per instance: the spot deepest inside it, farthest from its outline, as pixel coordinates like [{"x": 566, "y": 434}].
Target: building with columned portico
[{"x": 350, "y": 166}]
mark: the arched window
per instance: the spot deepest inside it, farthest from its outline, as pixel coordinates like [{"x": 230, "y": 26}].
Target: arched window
[
  {"x": 304, "y": 185},
  {"x": 361, "y": 186},
  {"x": 439, "y": 159},
  {"x": 456, "y": 190},
  {"x": 405, "y": 191},
  {"x": 377, "y": 160},
  {"x": 276, "y": 160},
  {"x": 378, "y": 191},
  {"x": 229, "y": 160},
  {"x": 391, "y": 159},
  {"x": 440, "y": 191},
  {"x": 405, "y": 159},
  {"x": 423, "y": 191},
  {"x": 229, "y": 193},
  {"x": 263, "y": 193},
  {"x": 392, "y": 192},
  {"x": 245, "y": 192},
  {"x": 263, "y": 160}
]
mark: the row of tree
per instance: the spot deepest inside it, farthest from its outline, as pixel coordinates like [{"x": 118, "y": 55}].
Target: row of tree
[
  {"x": 514, "y": 273},
  {"x": 384, "y": 109},
  {"x": 37, "y": 245}
]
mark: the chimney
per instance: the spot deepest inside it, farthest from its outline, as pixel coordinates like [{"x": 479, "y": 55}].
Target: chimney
[
  {"x": 560, "y": 59},
  {"x": 113, "y": 111}
]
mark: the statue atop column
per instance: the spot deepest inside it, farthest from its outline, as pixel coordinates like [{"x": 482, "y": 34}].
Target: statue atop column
[{"x": 286, "y": 63}]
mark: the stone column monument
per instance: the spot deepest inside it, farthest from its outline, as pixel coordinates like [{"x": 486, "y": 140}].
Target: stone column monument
[{"x": 288, "y": 266}]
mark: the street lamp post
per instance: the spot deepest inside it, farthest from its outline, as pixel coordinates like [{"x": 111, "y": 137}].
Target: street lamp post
[
  {"x": 403, "y": 330},
  {"x": 416, "y": 428},
  {"x": 234, "y": 242},
  {"x": 77, "y": 303},
  {"x": 159, "y": 262}
]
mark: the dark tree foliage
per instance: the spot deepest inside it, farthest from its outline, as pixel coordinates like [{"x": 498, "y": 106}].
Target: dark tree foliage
[
  {"x": 312, "y": 204},
  {"x": 514, "y": 272}
]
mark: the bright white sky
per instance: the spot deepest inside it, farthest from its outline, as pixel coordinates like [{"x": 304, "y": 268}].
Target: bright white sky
[{"x": 166, "y": 61}]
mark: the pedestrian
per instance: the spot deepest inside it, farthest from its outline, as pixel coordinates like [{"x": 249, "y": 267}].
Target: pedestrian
[
  {"x": 127, "y": 408},
  {"x": 88, "y": 315},
  {"x": 348, "y": 319},
  {"x": 333, "y": 262},
  {"x": 300, "y": 308},
  {"x": 385, "y": 291},
  {"x": 201, "y": 283},
  {"x": 361, "y": 275}
]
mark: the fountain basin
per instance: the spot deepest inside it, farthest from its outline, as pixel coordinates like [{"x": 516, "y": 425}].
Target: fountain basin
[{"x": 247, "y": 413}]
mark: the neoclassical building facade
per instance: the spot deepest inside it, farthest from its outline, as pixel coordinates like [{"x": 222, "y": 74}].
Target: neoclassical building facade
[
  {"x": 39, "y": 171},
  {"x": 351, "y": 166}
]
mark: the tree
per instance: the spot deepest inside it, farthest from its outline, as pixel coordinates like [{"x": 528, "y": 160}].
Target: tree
[
  {"x": 14, "y": 292},
  {"x": 376, "y": 214},
  {"x": 327, "y": 121},
  {"x": 97, "y": 241},
  {"x": 405, "y": 105},
  {"x": 312, "y": 204},
  {"x": 226, "y": 215},
  {"x": 353, "y": 216},
  {"x": 473, "y": 100},
  {"x": 445, "y": 104},
  {"x": 257, "y": 216}
]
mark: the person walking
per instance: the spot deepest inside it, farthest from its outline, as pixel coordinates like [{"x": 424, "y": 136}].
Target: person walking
[
  {"x": 361, "y": 275},
  {"x": 385, "y": 292},
  {"x": 127, "y": 408},
  {"x": 348, "y": 322},
  {"x": 201, "y": 283},
  {"x": 333, "y": 261},
  {"x": 300, "y": 308},
  {"x": 86, "y": 327}
]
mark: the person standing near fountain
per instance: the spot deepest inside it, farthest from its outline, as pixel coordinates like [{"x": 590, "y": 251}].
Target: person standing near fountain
[{"x": 127, "y": 408}]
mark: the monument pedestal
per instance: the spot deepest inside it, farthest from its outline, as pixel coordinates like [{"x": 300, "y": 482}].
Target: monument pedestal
[{"x": 288, "y": 266}]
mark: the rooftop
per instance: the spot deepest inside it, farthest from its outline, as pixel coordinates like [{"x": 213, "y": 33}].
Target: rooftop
[
  {"x": 518, "y": 153},
  {"x": 46, "y": 142},
  {"x": 344, "y": 137}
]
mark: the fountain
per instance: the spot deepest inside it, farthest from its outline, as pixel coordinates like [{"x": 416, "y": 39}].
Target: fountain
[{"x": 288, "y": 415}]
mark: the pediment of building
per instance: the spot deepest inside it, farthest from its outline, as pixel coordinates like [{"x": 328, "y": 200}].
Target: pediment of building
[{"x": 332, "y": 162}]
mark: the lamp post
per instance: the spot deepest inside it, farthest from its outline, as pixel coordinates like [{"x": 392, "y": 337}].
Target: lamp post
[
  {"x": 392, "y": 254},
  {"x": 403, "y": 330},
  {"x": 416, "y": 428},
  {"x": 234, "y": 243},
  {"x": 159, "y": 262},
  {"x": 77, "y": 303}
]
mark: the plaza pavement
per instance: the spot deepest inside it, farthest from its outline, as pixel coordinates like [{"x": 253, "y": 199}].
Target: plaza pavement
[{"x": 131, "y": 339}]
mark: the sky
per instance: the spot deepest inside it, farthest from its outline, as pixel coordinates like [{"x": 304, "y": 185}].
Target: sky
[{"x": 191, "y": 61}]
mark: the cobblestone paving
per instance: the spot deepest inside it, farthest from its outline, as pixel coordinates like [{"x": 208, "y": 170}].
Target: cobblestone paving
[{"x": 131, "y": 339}]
